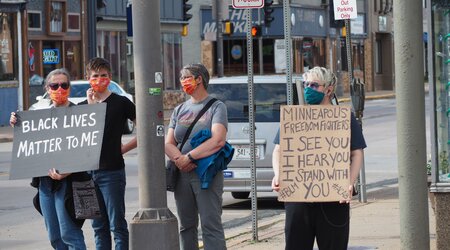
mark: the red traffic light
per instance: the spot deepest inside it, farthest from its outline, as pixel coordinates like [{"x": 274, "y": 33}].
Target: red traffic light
[{"x": 256, "y": 31}]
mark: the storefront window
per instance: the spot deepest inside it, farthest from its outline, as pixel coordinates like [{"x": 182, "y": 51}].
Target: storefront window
[
  {"x": 441, "y": 38},
  {"x": 171, "y": 44},
  {"x": 112, "y": 45},
  {"x": 8, "y": 50},
  {"x": 308, "y": 53},
  {"x": 73, "y": 59},
  {"x": 34, "y": 65}
]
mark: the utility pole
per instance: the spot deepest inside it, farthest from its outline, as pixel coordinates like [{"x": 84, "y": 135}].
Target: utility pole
[
  {"x": 219, "y": 38},
  {"x": 154, "y": 226},
  {"x": 410, "y": 95},
  {"x": 288, "y": 47},
  {"x": 92, "y": 28},
  {"x": 260, "y": 45}
]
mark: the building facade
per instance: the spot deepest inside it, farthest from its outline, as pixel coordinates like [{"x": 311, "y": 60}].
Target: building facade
[
  {"x": 316, "y": 41},
  {"x": 41, "y": 35},
  {"x": 56, "y": 37}
]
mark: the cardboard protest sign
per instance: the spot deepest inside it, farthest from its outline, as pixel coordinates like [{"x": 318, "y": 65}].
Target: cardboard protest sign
[
  {"x": 68, "y": 139},
  {"x": 315, "y": 153}
]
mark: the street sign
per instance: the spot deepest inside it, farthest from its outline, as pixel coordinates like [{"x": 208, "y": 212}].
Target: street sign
[
  {"x": 345, "y": 9},
  {"x": 248, "y": 4}
]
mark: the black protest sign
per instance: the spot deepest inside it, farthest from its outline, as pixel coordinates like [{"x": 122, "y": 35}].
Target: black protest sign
[
  {"x": 315, "y": 153},
  {"x": 68, "y": 139}
]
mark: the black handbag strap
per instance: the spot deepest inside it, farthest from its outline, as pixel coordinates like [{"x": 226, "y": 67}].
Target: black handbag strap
[{"x": 200, "y": 114}]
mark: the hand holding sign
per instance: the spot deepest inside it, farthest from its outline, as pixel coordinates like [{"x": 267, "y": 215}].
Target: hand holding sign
[{"x": 315, "y": 153}]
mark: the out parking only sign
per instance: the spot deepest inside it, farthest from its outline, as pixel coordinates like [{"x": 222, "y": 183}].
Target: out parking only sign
[
  {"x": 345, "y": 9},
  {"x": 248, "y": 4}
]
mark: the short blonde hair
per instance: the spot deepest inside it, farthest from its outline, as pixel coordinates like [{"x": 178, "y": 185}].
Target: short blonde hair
[{"x": 323, "y": 74}]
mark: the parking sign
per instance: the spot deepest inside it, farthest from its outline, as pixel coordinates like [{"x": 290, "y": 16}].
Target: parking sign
[{"x": 248, "y": 4}]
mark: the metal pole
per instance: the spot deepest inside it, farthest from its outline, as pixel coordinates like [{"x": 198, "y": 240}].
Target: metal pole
[
  {"x": 356, "y": 93},
  {"x": 92, "y": 28},
  {"x": 288, "y": 45},
  {"x": 340, "y": 87},
  {"x": 260, "y": 46},
  {"x": 154, "y": 226},
  {"x": 411, "y": 139},
  {"x": 251, "y": 122},
  {"x": 348, "y": 44},
  {"x": 219, "y": 39}
]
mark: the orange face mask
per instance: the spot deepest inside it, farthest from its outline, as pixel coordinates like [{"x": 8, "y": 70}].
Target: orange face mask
[
  {"x": 59, "y": 96},
  {"x": 189, "y": 85},
  {"x": 100, "y": 84}
]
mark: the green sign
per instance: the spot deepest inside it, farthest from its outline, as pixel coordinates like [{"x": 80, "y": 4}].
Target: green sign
[{"x": 154, "y": 91}]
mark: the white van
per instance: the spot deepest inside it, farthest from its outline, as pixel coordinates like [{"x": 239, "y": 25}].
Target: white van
[{"x": 269, "y": 92}]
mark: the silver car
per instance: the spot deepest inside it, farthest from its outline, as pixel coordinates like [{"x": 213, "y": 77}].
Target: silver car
[
  {"x": 78, "y": 94},
  {"x": 269, "y": 93}
]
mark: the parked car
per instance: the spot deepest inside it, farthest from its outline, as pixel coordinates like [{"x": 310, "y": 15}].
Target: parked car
[
  {"x": 269, "y": 94},
  {"x": 78, "y": 94}
]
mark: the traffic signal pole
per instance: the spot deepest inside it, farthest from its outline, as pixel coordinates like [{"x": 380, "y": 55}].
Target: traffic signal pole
[
  {"x": 411, "y": 139},
  {"x": 260, "y": 46},
  {"x": 154, "y": 226},
  {"x": 219, "y": 38}
]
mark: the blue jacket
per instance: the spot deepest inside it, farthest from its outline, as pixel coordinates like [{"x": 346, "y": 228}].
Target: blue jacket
[{"x": 208, "y": 167}]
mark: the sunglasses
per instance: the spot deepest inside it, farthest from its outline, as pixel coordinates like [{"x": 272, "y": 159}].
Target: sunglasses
[
  {"x": 313, "y": 85},
  {"x": 55, "y": 86}
]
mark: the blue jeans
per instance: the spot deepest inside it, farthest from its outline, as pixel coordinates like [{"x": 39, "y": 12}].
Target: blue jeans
[
  {"x": 63, "y": 233},
  {"x": 112, "y": 189}
]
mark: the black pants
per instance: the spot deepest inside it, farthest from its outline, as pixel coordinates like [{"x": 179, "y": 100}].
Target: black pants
[{"x": 328, "y": 222}]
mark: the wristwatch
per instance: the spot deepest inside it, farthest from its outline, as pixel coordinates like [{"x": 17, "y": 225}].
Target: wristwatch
[{"x": 190, "y": 157}]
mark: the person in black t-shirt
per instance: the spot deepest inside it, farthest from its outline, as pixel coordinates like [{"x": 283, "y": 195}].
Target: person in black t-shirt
[
  {"x": 326, "y": 222},
  {"x": 110, "y": 177}
]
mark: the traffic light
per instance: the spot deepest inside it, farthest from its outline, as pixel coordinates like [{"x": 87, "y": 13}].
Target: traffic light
[
  {"x": 228, "y": 27},
  {"x": 184, "y": 30},
  {"x": 268, "y": 10},
  {"x": 186, "y": 8},
  {"x": 256, "y": 31}
]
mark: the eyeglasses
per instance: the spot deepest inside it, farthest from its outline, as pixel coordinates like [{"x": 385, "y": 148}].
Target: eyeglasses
[
  {"x": 313, "y": 85},
  {"x": 55, "y": 86},
  {"x": 182, "y": 78}
]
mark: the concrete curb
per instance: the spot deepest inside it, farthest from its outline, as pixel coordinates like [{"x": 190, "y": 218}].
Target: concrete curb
[
  {"x": 4, "y": 138},
  {"x": 372, "y": 97}
]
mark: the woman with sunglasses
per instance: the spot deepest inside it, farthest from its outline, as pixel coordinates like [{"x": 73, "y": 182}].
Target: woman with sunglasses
[
  {"x": 326, "y": 222},
  {"x": 64, "y": 232}
]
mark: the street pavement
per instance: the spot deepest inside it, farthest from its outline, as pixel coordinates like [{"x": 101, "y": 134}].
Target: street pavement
[{"x": 373, "y": 225}]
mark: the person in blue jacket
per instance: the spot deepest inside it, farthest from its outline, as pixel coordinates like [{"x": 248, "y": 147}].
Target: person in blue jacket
[
  {"x": 326, "y": 222},
  {"x": 191, "y": 199}
]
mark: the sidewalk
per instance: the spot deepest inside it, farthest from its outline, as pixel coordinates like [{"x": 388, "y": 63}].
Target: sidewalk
[{"x": 373, "y": 225}]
